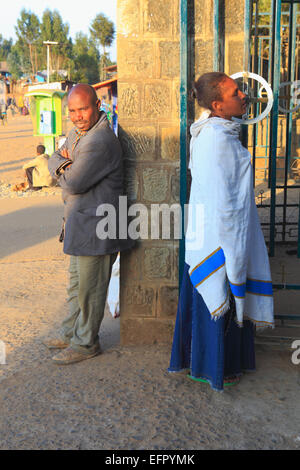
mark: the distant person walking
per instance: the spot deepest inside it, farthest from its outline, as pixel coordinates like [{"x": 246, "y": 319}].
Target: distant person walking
[{"x": 20, "y": 104}]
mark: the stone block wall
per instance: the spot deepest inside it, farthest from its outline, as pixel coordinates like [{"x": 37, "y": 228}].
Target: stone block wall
[
  {"x": 148, "y": 54},
  {"x": 234, "y": 17}
]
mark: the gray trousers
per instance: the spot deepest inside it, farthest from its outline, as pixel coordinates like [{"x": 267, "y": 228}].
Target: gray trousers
[{"x": 87, "y": 291}]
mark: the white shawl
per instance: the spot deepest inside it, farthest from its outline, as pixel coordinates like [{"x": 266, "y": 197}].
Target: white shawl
[{"x": 225, "y": 247}]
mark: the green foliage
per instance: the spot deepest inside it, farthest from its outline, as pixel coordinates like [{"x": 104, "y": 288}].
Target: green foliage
[
  {"x": 18, "y": 61},
  {"x": 28, "y": 32},
  {"x": 5, "y": 47},
  {"x": 54, "y": 29},
  {"x": 86, "y": 60},
  {"x": 102, "y": 31},
  {"x": 28, "y": 27},
  {"x": 80, "y": 59}
]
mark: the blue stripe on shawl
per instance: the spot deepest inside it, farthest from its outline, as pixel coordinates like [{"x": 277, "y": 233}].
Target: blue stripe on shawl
[
  {"x": 259, "y": 287},
  {"x": 215, "y": 261},
  {"x": 238, "y": 290},
  {"x": 208, "y": 267}
]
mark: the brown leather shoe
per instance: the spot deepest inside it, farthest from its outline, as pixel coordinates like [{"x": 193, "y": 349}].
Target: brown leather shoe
[
  {"x": 20, "y": 187},
  {"x": 55, "y": 343},
  {"x": 69, "y": 356}
]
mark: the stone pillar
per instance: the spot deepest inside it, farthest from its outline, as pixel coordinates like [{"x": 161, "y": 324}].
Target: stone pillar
[
  {"x": 148, "y": 44},
  {"x": 148, "y": 99}
]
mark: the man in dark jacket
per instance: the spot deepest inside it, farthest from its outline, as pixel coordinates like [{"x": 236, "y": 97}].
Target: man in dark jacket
[{"x": 90, "y": 172}]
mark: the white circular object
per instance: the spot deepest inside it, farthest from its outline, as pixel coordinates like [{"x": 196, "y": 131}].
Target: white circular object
[
  {"x": 295, "y": 91},
  {"x": 270, "y": 97}
]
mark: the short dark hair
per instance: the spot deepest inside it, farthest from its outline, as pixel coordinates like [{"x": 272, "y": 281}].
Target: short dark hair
[
  {"x": 208, "y": 88},
  {"x": 41, "y": 149}
]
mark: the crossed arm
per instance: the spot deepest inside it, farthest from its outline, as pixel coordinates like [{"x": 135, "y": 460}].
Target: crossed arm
[{"x": 86, "y": 170}]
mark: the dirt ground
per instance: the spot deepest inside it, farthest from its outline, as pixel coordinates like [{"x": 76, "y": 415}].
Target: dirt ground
[{"x": 124, "y": 398}]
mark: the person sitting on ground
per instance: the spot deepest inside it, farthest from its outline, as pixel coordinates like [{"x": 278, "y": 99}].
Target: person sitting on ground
[{"x": 36, "y": 170}]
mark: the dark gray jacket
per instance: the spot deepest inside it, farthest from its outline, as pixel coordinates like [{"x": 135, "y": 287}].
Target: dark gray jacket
[{"x": 95, "y": 177}]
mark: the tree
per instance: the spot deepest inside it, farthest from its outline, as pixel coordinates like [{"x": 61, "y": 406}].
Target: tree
[
  {"x": 103, "y": 32},
  {"x": 5, "y": 47},
  {"x": 86, "y": 60},
  {"x": 18, "y": 62},
  {"x": 54, "y": 29},
  {"x": 28, "y": 33}
]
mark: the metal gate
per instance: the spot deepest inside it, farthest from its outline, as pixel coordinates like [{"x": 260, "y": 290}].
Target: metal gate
[
  {"x": 273, "y": 47},
  {"x": 272, "y": 51}
]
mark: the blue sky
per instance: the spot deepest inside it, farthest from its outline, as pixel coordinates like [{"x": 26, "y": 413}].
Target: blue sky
[{"x": 78, "y": 14}]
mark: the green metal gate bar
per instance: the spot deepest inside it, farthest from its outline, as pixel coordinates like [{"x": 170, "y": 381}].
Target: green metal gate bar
[
  {"x": 275, "y": 82},
  {"x": 183, "y": 124},
  {"x": 216, "y": 59},
  {"x": 274, "y": 77}
]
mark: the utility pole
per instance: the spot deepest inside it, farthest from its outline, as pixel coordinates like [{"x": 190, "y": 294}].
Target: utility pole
[{"x": 48, "y": 44}]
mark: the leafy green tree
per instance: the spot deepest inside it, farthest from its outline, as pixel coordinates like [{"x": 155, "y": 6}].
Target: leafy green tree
[
  {"x": 5, "y": 47},
  {"x": 103, "y": 33},
  {"x": 80, "y": 59},
  {"x": 86, "y": 60},
  {"x": 18, "y": 62},
  {"x": 54, "y": 29},
  {"x": 28, "y": 34}
]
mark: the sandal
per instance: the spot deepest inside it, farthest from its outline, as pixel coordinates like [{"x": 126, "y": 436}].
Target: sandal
[
  {"x": 198, "y": 379},
  {"x": 227, "y": 382},
  {"x": 234, "y": 380}
]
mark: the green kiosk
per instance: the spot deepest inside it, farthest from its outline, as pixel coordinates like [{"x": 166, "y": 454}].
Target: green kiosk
[{"x": 48, "y": 111}]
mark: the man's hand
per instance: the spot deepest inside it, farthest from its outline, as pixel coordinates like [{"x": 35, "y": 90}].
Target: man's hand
[{"x": 64, "y": 153}]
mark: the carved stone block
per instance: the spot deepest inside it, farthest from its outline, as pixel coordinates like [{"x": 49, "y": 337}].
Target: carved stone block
[
  {"x": 128, "y": 19},
  {"x": 170, "y": 143},
  {"x": 157, "y": 263},
  {"x": 169, "y": 59},
  {"x": 155, "y": 183},
  {"x": 138, "y": 301},
  {"x": 157, "y": 101},
  {"x": 136, "y": 59},
  {"x": 129, "y": 100},
  {"x": 158, "y": 17},
  {"x": 138, "y": 143},
  {"x": 203, "y": 57},
  {"x": 167, "y": 301}
]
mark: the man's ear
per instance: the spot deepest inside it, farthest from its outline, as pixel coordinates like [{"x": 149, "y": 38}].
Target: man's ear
[{"x": 98, "y": 103}]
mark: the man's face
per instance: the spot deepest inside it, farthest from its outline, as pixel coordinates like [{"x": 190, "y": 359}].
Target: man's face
[
  {"x": 83, "y": 110},
  {"x": 233, "y": 99}
]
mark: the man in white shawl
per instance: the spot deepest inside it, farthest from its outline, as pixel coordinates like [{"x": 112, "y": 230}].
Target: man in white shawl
[{"x": 227, "y": 282}]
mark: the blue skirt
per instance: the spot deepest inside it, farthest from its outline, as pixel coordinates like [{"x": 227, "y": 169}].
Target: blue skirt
[{"x": 211, "y": 349}]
